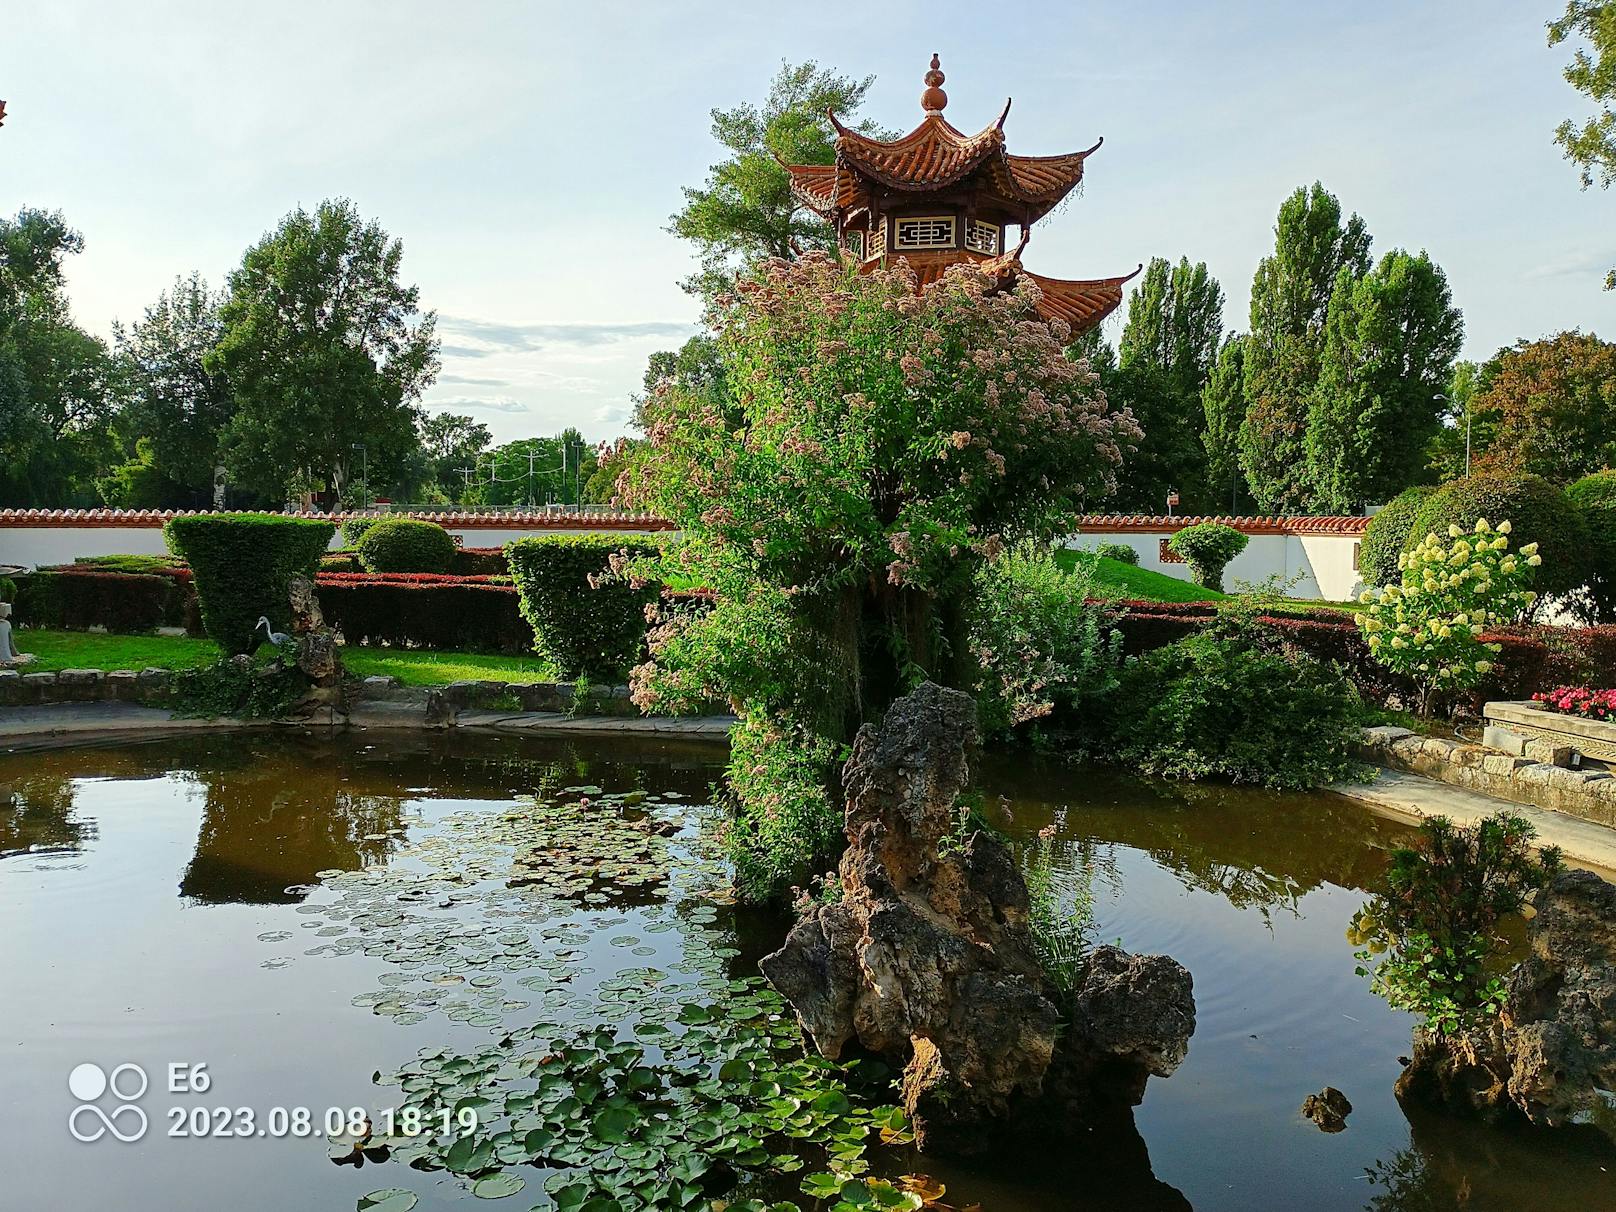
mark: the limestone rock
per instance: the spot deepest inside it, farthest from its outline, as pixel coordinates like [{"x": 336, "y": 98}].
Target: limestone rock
[
  {"x": 1328, "y": 1109},
  {"x": 928, "y": 958},
  {"x": 1553, "y": 1049}
]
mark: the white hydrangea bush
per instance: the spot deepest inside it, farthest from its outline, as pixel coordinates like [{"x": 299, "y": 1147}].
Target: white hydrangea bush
[{"x": 1429, "y": 627}]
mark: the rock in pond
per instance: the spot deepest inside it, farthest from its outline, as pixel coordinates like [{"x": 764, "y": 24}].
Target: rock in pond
[
  {"x": 1552, "y": 1051},
  {"x": 1328, "y": 1109},
  {"x": 929, "y": 961}
]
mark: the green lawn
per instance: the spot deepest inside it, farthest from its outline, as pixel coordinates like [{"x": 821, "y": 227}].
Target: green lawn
[
  {"x": 414, "y": 667},
  {"x": 1113, "y": 578}
]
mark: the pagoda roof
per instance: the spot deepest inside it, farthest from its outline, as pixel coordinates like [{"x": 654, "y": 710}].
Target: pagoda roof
[{"x": 1081, "y": 303}]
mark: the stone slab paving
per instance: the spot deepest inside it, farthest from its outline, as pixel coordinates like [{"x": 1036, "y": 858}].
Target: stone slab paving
[{"x": 1412, "y": 797}]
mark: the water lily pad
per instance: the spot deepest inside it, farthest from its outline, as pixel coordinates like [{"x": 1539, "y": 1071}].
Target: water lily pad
[
  {"x": 498, "y": 1186},
  {"x": 393, "y": 1199}
]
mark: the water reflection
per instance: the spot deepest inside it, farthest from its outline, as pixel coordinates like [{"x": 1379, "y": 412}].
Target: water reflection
[{"x": 37, "y": 817}]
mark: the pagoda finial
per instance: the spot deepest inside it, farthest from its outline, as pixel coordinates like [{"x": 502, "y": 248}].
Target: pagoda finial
[{"x": 934, "y": 98}]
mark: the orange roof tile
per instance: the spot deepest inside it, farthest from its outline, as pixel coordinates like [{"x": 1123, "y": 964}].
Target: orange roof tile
[
  {"x": 1134, "y": 523},
  {"x": 1082, "y": 304}
]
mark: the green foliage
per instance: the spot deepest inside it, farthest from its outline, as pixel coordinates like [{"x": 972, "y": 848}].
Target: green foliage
[
  {"x": 322, "y": 349},
  {"x": 1446, "y": 454},
  {"x": 1538, "y": 513},
  {"x": 1230, "y": 703},
  {"x": 243, "y": 565},
  {"x": 1175, "y": 323},
  {"x": 1207, "y": 547},
  {"x": 1120, "y": 552},
  {"x": 177, "y": 406},
  {"x": 1388, "y": 534},
  {"x": 1041, "y": 645},
  {"x": 1390, "y": 340},
  {"x": 1429, "y": 627},
  {"x": 784, "y": 826},
  {"x": 8, "y": 590},
  {"x": 243, "y": 688},
  {"x": 586, "y": 617},
  {"x": 1060, "y": 914},
  {"x": 533, "y": 472},
  {"x": 1595, "y": 497},
  {"x": 57, "y": 382},
  {"x": 406, "y": 545},
  {"x": 746, "y": 212},
  {"x": 1290, "y": 298},
  {"x": 354, "y": 529},
  {"x": 450, "y": 442},
  {"x": 1169, "y": 456},
  {"x": 1592, "y": 145},
  {"x": 1223, "y": 405},
  {"x": 1433, "y": 921},
  {"x": 138, "y": 483},
  {"x": 1548, "y": 407}
]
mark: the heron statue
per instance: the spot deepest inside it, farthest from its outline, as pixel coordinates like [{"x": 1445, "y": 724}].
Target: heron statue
[{"x": 277, "y": 638}]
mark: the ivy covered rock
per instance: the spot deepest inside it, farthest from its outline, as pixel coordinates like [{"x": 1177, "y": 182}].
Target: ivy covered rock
[{"x": 929, "y": 958}]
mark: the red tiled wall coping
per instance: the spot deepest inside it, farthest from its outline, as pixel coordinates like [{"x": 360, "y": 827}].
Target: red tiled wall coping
[
  {"x": 1138, "y": 523},
  {"x": 614, "y": 520}
]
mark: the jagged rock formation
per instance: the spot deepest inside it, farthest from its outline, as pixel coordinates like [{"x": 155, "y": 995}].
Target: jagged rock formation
[
  {"x": 1328, "y": 1109},
  {"x": 1553, "y": 1049},
  {"x": 319, "y": 656},
  {"x": 928, "y": 958}
]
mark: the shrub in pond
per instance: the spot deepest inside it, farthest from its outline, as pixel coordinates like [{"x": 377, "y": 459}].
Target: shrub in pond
[
  {"x": 1429, "y": 934},
  {"x": 243, "y": 564},
  {"x": 585, "y": 618},
  {"x": 1207, "y": 548},
  {"x": 1231, "y": 702},
  {"x": 406, "y": 545}
]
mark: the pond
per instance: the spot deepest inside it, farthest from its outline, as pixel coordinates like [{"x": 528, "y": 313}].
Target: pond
[{"x": 331, "y": 923}]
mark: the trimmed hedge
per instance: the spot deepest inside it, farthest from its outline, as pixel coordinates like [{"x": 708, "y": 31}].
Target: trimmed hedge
[
  {"x": 585, "y": 627},
  {"x": 406, "y": 545},
  {"x": 1207, "y": 547},
  {"x": 243, "y": 564},
  {"x": 426, "y": 611},
  {"x": 480, "y": 561},
  {"x": 70, "y": 599},
  {"x": 1537, "y": 511},
  {"x": 1387, "y": 536},
  {"x": 354, "y": 529},
  {"x": 1120, "y": 552}
]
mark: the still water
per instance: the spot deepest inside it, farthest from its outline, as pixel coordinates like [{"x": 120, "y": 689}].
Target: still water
[{"x": 183, "y": 903}]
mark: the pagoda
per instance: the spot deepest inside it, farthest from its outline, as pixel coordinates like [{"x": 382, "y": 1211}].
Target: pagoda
[{"x": 939, "y": 197}]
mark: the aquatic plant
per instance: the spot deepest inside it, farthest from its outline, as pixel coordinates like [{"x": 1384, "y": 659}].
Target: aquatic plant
[{"x": 1428, "y": 935}]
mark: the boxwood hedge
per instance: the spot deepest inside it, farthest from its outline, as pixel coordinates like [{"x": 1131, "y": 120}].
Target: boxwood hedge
[
  {"x": 597, "y": 630},
  {"x": 242, "y": 564},
  {"x": 1537, "y": 512},
  {"x": 406, "y": 545}
]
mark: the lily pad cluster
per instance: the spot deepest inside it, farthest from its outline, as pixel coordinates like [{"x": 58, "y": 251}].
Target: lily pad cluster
[{"x": 630, "y": 1068}]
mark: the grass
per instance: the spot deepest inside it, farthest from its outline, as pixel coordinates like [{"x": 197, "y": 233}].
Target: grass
[
  {"x": 57, "y": 650},
  {"x": 1113, "y": 578}
]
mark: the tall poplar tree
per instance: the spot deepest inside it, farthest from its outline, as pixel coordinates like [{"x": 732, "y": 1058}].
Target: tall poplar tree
[
  {"x": 1175, "y": 321},
  {"x": 1390, "y": 341},
  {"x": 1223, "y": 405},
  {"x": 1290, "y": 299}
]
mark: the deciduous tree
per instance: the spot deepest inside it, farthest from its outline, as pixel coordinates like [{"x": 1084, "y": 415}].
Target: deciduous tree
[
  {"x": 1391, "y": 338},
  {"x": 323, "y": 349},
  {"x": 1549, "y": 407},
  {"x": 1591, "y": 146},
  {"x": 1223, "y": 405},
  {"x": 1290, "y": 297}
]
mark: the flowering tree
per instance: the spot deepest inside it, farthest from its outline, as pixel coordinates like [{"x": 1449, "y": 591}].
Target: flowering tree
[
  {"x": 1430, "y": 627},
  {"x": 876, "y": 444}
]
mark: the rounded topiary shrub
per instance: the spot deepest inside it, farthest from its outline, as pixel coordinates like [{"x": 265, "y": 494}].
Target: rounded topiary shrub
[
  {"x": 243, "y": 564},
  {"x": 406, "y": 545},
  {"x": 1537, "y": 512},
  {"x": 354, "y": 529},
  {"x": 1595, "y": 498},
  {"x": 1120, "y": 552},
  {"x": 584, "y": 619},
  {"x": 1207, "y": 547},
  {"x": 1387, "y": 535}
]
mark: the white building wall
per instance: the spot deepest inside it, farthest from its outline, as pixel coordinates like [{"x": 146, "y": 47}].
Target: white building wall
[{"x": 1322, "y": 563}]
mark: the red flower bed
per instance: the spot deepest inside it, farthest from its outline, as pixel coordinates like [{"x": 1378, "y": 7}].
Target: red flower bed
[{"x": 1579, "y": 700}]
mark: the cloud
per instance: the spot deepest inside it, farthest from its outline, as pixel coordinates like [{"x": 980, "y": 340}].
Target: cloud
[
  {"x": 493, "y": 337},
  {"x": 469, "y": 381},
  {"x": 488, "y": 403},
  {"x": 1576, "y": 265}
]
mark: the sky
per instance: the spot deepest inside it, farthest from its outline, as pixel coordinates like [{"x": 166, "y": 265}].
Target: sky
[{"x": 529, "y": 154}]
